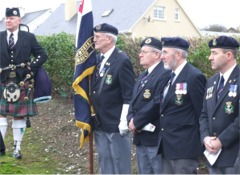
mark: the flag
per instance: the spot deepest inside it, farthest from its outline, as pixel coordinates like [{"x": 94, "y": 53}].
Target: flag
[{"x": 85, "y": 62}]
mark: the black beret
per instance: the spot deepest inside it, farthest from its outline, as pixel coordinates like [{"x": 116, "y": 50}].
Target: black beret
[
  {"x": 175, "y": 42},
  {"x": 152, "y": 42},
  {"x": 12, "y": 12},
  {"x": 224, "y": 42},
  {"x": 106, "y": 28}
]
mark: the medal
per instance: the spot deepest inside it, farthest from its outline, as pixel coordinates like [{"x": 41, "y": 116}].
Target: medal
[
  {"x": 233, "y": 90},
  {"x": 184, "y": 88},
  {"x": 181, "y": 89},
  {"x": 102, "y": 72},
  {"x": 209, "y": 92}
]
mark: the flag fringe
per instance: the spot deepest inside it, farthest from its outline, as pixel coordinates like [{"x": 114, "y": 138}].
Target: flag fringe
[
  {"x": 76, "y": 86},
  {"x": 83, "y": 126}
]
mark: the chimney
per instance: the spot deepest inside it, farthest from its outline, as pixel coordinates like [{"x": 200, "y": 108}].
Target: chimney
[{"x": 70, "y": 9}]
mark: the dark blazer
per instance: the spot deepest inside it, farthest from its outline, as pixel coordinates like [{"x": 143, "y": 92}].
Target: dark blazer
[
  {"x": 142, "y": 95},
  {"x": 25, "y": 47},
  {"x": 237, "y": 162},
  {"x": 179, "y": 135},
  {"x": 220, "y": 118},
  {"x": 114, "y": 89}
]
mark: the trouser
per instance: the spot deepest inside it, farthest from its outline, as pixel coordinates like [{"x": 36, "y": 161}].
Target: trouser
[{"x": 114, "y": 152}]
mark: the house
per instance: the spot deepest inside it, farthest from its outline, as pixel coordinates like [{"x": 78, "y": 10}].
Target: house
[
  {"x": 231, "y": 30},
  {"x": 32, "y": 19},
  {"x": 135, "y": 18}
]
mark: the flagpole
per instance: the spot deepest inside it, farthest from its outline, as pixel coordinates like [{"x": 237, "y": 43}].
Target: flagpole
[
  {"x": 90, "y": 135},
  {"x": 91, "y": 152}
]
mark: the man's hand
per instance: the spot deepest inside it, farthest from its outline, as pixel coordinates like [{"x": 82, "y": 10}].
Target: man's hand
[
  {"x": 212, "y": 144},
  {"x": 131, "y": 126}
]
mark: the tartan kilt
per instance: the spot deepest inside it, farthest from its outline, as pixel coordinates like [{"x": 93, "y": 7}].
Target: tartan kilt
[{"x": 19, "y": 108}]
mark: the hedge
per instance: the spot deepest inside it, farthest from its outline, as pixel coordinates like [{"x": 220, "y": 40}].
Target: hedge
[{"x": 60, "y": 49}]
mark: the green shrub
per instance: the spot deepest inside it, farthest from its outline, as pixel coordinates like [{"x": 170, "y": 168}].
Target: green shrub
[{"x": 61, "y": 50}]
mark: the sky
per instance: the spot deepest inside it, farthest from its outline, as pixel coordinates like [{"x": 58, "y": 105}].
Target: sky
[
  {"x": 208, "y": 12},
  {"x": 202, "y": 12}
]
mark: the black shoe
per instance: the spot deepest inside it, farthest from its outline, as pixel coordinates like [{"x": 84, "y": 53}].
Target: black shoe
[
  {"x": 17, "y": 154},
  {"x": 2, "y": 153}
]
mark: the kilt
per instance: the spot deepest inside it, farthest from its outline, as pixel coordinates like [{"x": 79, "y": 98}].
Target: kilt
[{"x": 19, "y": 108}]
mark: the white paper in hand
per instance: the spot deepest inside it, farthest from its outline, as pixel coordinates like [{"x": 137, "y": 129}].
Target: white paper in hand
[
  {"x": 212, "y": 157},
  {"x": 149, "y": 127}
]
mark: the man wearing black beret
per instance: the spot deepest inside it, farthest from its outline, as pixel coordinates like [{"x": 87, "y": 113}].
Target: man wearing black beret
[
  {"x": 219, "y": 121},
  {"x": 180, "y": 109},
  {"x": 16, "y": 49},
  {"x": 145, "y": 127},
  {"x": 112, "y": 86}
]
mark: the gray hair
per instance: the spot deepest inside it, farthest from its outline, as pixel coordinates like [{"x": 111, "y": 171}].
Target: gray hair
[
  {"x": 114, "y": 37},
  {"x": 184, "y": 52}
]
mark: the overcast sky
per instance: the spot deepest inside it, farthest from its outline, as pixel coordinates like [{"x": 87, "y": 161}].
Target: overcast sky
[
  {"x": 202, "y": 12},
  {"x": 208, "y": 12}
]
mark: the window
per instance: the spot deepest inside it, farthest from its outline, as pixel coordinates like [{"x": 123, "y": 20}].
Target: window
[
  {"x": 176, "y": 15},
  {"x": 158, "y": 12}
]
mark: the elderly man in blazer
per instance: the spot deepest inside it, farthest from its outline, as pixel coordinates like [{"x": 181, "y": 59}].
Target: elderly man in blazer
[
  {"x": 219, "y": 120},
  {"x": 112, "y": 87},
  {"x": 180, "y": 109},
  {"x": 145, "y": 127}
]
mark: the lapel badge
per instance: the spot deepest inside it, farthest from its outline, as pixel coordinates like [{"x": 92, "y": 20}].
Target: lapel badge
[
  {"x": 107, "y": 63},
  {"x": 108, "y": 79},
  {"x": 232, "y": 90},
  {"x": 229, "y": 108},
  {"x": 209, "y": 92},
  {"x": 147, "y": 94},
  {"x": 179, "y": 99}
]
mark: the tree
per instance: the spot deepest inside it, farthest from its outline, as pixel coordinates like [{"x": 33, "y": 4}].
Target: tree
[{"x": 216, "y": 28}]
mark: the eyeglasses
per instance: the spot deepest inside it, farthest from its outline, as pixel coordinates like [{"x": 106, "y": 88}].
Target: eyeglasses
[{"x": 145, "y": 52}]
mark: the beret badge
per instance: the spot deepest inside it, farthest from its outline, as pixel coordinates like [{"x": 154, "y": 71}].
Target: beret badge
[
  {"x": 15, "y": 12},
  {"x": 148, "y": 41},
  {"x": 98, "y": 27},
  {"x": 214, "y": 42}
]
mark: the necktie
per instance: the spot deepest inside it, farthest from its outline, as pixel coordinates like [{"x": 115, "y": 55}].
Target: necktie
[
  {"x": 11, "y": 41},
  {"x": 99, "y": 62},
  {"x": 220, "y": 86},
  {"x": 172, "y": 75},
  {"x": 144, "y": 77},
  {"x": 167, "y": 87}
]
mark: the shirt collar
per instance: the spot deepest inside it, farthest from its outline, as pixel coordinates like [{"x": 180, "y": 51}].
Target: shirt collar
[
  {"x": 227, "y": 74},
  {"x": 150, "y": 69},
  {"x": 179, "y": 69},
  {"x": 108, "y": 53}
]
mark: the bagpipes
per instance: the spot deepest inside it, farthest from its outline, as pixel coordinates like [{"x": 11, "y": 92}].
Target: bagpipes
[{"x": 38, "y": 82}]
